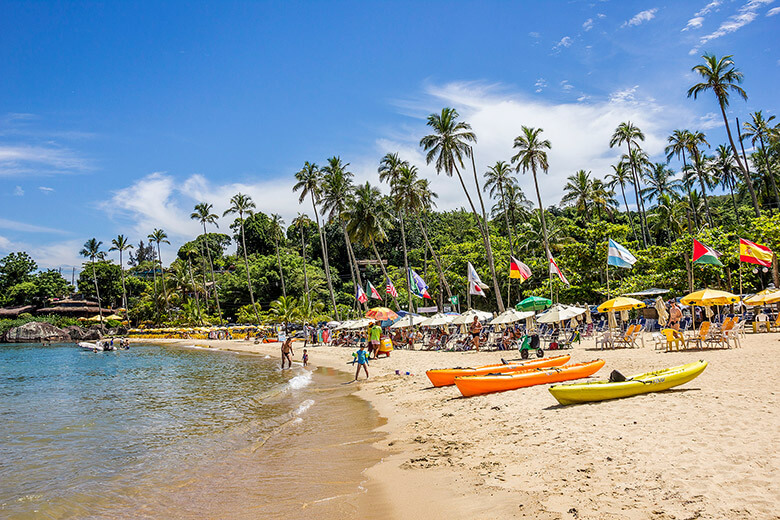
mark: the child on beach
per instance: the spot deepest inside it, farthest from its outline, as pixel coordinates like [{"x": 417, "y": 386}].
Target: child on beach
[
  {"x": 362, "y": 361},
  {"x": 305, "y": 358},
  {"x": 287, "y": 352}
]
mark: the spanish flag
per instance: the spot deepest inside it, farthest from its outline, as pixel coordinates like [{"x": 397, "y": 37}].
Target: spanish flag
[
  {"x": 754, "y": 253},
  {"x": 518, "y": 269}
]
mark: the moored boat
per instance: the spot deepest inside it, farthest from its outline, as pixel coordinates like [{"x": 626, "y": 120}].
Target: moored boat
[
  {"x": 486, "y": 384},
  {"x": 446, "y": 376},
  {"x": 639, "y": 384}
]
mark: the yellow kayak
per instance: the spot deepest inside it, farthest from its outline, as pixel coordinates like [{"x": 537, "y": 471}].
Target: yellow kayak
[{"x": 640, "y": 384}]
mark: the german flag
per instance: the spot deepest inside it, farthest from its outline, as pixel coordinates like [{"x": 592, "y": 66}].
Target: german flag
[{"x": 753, "y": 253}]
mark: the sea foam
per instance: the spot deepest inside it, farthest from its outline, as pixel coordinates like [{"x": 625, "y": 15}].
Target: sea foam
[{"x": 300, "y": 381}]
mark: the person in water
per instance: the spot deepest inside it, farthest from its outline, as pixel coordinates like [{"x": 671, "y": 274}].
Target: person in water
[
  {"x": 362, "y": 361},
  {"x": 305, "y": 358},
  {"x": 476, "y": 329},
  {"x": 287, "y": 352}
]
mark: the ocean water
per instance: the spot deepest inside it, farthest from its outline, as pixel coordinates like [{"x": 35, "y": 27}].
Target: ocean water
[{"x": 165, "y": 432}]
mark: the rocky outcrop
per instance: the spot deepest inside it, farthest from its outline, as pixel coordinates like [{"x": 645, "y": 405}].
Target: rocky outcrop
[{"x": 35, "y": 332}]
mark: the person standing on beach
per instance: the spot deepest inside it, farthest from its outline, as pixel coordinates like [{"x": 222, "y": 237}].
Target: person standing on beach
[
  {"x": 675, "y": 315},
  {"x": 476, "y": 329},
  {"x": 362, "y": 361},
  {"x": 305, "y": 358},
  {"x": 287, "y": 352},
  {"x": 375, "y": 334}
]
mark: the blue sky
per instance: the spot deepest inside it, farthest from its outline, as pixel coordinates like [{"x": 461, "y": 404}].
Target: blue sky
[{"x": 118, "y": 117}]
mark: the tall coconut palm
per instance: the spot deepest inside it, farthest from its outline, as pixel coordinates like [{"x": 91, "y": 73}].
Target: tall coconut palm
[
  {"x": 121, "y": 244},
  {"x": 92, "y": 251},
  {"x": 695, "y": 140},
  {"x": 532, "y": 156},
  {"x": 277, "y": 230},
  {"x": 336, "y": 198},
  {"x": 159, "y": 236},
  {"x": 244, "y": 205},
  {"x": 664, "y": 218},
  {"x": 760, "y": 129},
  {"x": 498, "y": 179},
  {"x": 446, "y": 147},
  {"x": 367, "y": 219},
  {"x": 302, "y": 221},
  {"x": 578, "y": 192},
  {"x": 309, "y": 180},
  {"x": 679, "y": 143},
  {"x": 190, "y": 253},
  {"x": 725, "y": 173},
  {"x": 621, "y": 176},
  {"x": 660, "y": 181},
  {"x": 722, "y": 77},
  {"x": 286, "y": 310},
  {"x": 603, "y": 199},
  {"x": 204, "y": 215},
  {"x": 631, "y": 135}
]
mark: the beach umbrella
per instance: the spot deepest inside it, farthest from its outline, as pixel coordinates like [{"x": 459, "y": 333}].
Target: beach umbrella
[
  {"x": 438, "y": 319},
  {"x": 560, "y": 312},
  {"x": 468, "y": 317},
  {"x": 381, "y": 314},
  {"x": 621, "y": 303},
  {"x": 333, "y": 323},
  {"x": 612, "y": 320},
  {"x": 510, "y": 316},
  {"x": 114, "y": 317},
  {"x": 707, "y": 297},
  {"x": 660, "y": 306},
  {"x": 533, "y": 303},
  {"x": 773, "y": 298},
  {"x": 404, "y": 322},
  {"x": 763, "y": 297},
  {"x": 361, "y": 323}
]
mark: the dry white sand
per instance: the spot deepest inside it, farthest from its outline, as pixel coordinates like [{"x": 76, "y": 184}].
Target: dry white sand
[{"x": 707, "y": 449}]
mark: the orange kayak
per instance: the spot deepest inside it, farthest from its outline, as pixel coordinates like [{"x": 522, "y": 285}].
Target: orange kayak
[
  {"x": 476, "y": 385},
  {"x": 446, "y": 376}
]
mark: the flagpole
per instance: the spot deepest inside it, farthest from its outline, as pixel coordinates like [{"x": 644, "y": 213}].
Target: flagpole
[
  {"x": 608, "y": 295},
  {"x": 468, "y": 292}
]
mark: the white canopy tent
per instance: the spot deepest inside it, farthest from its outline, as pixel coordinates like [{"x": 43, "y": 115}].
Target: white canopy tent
[
  {"x": 510, "y": 316},
  {"x": 559, "y": 312}
]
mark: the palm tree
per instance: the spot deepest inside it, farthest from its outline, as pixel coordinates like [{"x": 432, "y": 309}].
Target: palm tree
[
  {"x": 244, "y": 205},
  {"x": 532, "y": 155},
  {"x": 621, "y": 176},
  {"x": 336, "y": 198},
  {"x": 664, "y": 218},
  {"x": 630, "y": 134},
  {"x": 533, "y": 233},
  {"x": 498, "y": 179},
  {"x": 189, "y": 253},
  {"x": 760, "y": 129},
  {"x": 302, "y": 221},
  {"x": 578, "y": 192},
  {"x": 285, "y": 309},
  {"x": 603, "y": 198},
  {"x": 447, "y": 146},
  {"x": 367, "y": 218},
  {"x": 696, "y": 139},
  {"x": 679, "y": 143},
  {"x": 721, "y": 76},
  {"x": 309, "y": 183},
  {"x": 158, "y": 236},
  {"x": 278, "y": 232},
  {"x": 92, "y": 251},
  {"x": 204, "y": 215},
  {"x": 660, "y": 181},
  {"x": 725, "y": 173},
  {"x": 121, "y": 244}
]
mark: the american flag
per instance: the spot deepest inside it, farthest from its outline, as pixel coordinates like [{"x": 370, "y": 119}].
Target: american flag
[{"x": 391, "y": 289}]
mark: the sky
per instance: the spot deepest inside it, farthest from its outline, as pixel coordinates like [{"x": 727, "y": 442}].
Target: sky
[{"x": 119, "y": 117}]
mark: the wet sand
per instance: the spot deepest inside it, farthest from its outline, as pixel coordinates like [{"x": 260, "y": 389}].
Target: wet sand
[{"x": 707, "y": 449}]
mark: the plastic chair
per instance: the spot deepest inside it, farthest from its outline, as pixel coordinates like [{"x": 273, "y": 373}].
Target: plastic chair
[{"x": 674, "y": 339}]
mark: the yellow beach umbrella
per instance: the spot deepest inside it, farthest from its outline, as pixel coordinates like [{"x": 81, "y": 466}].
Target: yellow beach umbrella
[
  {"x": 707, "y": 297},
  {"x": 621, "y": 303},
  {"x": 114, "y": 317},
  {"x": 763, "y": 297}
]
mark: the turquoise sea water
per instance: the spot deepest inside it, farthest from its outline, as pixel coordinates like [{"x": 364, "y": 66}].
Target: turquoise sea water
[{"x": 156, "y": 432}]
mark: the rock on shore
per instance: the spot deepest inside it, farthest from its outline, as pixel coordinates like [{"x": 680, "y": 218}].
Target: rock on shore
[{"x": 34, "y": 332}]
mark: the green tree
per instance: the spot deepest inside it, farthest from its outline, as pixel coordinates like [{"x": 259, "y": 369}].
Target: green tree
[
  {"x": 285, "y": 310},
  {"x": 726, "y": 174},
  {"x": 204, "y": 215},
  {"x": 679, "y": 143},
  {"x": 660, "y": 181},
  {"x": 159, "y": 236},
  {"x": 16, "y": 268},
  {"x": 243, "y": 205},
  {"x": 92, "y": 251},
  {"x": 302, "y": 221},
  {"x": 578, "y": 192},
  {"x": 631, "y": 135},
  {"x": 621, "y": 176},
  {"x": 278, "y": 233},
  {"x": 699, "y": 165},
  {"x": 121, "y": 244},
  {"x": 498, "y": 179},
  {"x": 759, "y": 130}
]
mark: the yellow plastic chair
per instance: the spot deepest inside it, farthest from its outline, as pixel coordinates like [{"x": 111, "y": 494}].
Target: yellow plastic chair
[
  {"x": 702, "y": 335},
  {"x": 674, "y": 339}
]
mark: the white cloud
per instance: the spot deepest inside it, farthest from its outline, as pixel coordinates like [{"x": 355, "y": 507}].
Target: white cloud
[
  {"x": 641, "y": 17},
  {"x": 565, "y": 85},
  {"x": 540, "y": 84},
  {"x": 42, "y": 160},
  {"x": 534, "y": 34},
  {"x": 588, "y": 24},
  {"x": 745, "y": 14},
  {"x": 694, "y": 23},
  {"x": 709, "y": 7},
  {"x": 709, "y": 121},
  {"x": 773, "y": 11},
  {"x": 45, "y": 189},
  {"x": 18, "y": 192},
  {"x": 23, "y": 227},
  {"x": 566, "y": 41},
  {"x": 50, "y": 256},
  {"x": 601, "y": 15}
]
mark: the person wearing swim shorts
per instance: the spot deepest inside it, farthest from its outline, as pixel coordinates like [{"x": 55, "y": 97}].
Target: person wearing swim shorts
[
  {"x": 362, "y": 361},
  {"x": 287, "y": 352},
  {"x": 476, "y": 329}
]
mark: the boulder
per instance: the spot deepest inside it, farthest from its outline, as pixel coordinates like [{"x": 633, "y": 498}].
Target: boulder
[
  {"x": 75, "y": 332},
  {"x": 93, "y": 333},
  {"x": 36, "y": 332}
]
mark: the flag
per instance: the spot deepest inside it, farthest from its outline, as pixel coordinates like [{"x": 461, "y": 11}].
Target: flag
[
  {"x": 705, "y": 255},
  {"x": 454, "y": 300},
  {"x": 361, "y": 295},
  {"x": 518, "y": 269},
  {"x": 475, "y": 284},
  {"x": 554, "y": 269},
  {"x": 419, "y": 287},
  {"x": 754, "y": 253},
  {"x": 619, "y": 256},
  {"x": 390, "y": 289},
  {"x": 371, "y": 290}
]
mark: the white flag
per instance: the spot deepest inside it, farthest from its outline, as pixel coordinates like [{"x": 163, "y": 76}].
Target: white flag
[{"x": 475, "y": 284}]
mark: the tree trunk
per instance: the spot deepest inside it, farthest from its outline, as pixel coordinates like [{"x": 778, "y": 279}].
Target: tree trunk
[
  {"x": 699, "y": 173},
  {"x": 351, "y": 255},
  {"x": 97, "y": 293},
  {"x": 325, "y": 261},
  {"x": 305, "y": 275},
  {"x": 630, "y": 218},
  {"x": 743, "y": 167},
  {"x": 281, "y": 272},
  {"x": 406, "y": 265},
  {"x": 384, "y": 272},
  {"x": 162, "y": 273},
  {"x": 769, "y": 173},
  {"x": 154, "y": 278},
  {"x": 435, "y": 259},
  {"x": 639, "y": 204},
  {"x": 213, "y": 280},
  {"x": 195, "y": 290},
  {"x": 491, "y": 261},
  {"x": 246, "y": 264},
  {"x": 124, "y": 291},
  {"x": 734, "y": 202}
]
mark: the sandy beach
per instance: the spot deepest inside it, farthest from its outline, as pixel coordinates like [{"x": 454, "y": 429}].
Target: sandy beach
[{"x": 707, "y": 449}]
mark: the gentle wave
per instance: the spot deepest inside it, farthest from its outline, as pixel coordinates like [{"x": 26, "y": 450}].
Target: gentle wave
[
  {"x": 300, "y": 381},
  {"x": 303, "y": 407}
]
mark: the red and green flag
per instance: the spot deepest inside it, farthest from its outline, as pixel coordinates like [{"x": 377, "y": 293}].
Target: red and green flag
[{"x": 705, "y": 255}]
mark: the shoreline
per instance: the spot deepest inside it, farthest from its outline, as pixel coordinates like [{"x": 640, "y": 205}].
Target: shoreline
[{"x": 690, "y": 452}]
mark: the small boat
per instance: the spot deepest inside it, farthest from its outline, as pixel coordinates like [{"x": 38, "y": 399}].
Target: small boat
[
  {"x": 635, "y": 385},
  {"x": 477, "y": 385},
  {"x": 446, "y": 376},
  {"x": 94, "y": 347}
]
